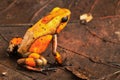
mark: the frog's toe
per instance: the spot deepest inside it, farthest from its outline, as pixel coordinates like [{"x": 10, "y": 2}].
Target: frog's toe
[
  {"x": 58, "y": 58},
  {"x": 21, "y": 61}
]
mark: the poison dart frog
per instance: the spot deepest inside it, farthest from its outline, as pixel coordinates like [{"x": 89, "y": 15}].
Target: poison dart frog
[{"x": 37, "y": 39}]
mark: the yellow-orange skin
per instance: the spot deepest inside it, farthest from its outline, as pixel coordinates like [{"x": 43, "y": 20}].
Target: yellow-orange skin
[
  {"x": 16, "y": 41},
  {"x": 49, "y": 25},
  {"x": 40, "y": 44},
  {"x": 30, "y": 62},
  {"x": 34, "y": 55},
  {"x": 42, "y": 33}
]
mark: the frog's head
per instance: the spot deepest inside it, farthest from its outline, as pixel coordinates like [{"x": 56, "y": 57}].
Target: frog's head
[{"x": 57, "y": 19}]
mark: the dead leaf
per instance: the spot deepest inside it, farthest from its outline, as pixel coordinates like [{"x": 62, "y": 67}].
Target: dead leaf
[{"x": 77, "y": 73}]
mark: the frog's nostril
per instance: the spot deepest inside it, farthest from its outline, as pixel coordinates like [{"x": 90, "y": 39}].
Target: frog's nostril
[{"x": 65, "y": 19}]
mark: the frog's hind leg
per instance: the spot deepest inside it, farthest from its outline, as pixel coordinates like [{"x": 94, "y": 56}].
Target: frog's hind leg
[
  {"x": 33, "y": 62},
  {"x": 56, "y": 54}
]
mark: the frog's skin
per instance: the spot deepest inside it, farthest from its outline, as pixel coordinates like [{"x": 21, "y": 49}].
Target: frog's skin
[{"x": 38, "y": 37}]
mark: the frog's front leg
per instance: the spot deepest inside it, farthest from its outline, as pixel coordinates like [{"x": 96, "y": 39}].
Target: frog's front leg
[
  {"x": 56, "y": 54},
  {"x": 33, "y": 62},
  {"x": 13, "y": 46}
]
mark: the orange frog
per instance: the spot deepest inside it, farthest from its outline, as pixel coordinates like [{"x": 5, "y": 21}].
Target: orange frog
[{"x": 37, "y": 39}]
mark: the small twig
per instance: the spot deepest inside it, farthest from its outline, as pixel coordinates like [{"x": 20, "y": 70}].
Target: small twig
[
  {"x": 114, "y": 63},
  {"x": 118, "y": 3},
  {"x": 103, "y": 39},
  {"x": 28, "y": 24},
  {"x": 72, "y": 2},
  {"x": 112, "y": 16},
  {"x": 93, "y": 6},
  {"x": 9, "y": 6},
  {"x": 109, "y": 75},
  {"x": 4, "y": 38},
  {"x": 98, "y": 61},
  {"x": 16, "y": 25},
  {"x": 37, "y": 13}
]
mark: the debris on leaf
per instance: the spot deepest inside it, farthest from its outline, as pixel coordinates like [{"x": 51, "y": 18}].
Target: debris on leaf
[
  {"x": 85, "y": 18},
  {"x": 4, "y": 73},
  {"x": 118, "y": 34}
]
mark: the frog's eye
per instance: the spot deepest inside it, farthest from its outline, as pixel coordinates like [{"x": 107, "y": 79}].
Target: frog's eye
[{"x": 64, "y": 19}]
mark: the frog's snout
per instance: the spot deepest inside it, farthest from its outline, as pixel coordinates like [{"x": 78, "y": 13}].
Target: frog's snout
[{"x": 12, "y": 49}]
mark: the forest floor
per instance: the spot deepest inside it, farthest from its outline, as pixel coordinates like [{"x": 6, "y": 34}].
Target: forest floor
[{"x": 91, "y": 51}]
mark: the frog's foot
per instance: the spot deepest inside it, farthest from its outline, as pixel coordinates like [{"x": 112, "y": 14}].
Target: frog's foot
[
  {"x": 58, "y": 58},
  {"x": 31, "y": 64},
  {"x": 34, "y": 65},
  {"x": 34, "y": 62}
]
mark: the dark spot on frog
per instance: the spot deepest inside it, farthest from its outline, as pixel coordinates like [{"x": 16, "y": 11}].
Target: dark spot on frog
[
  {"x": 44, "y": 28},
  {"x": 33, "y": 38}
]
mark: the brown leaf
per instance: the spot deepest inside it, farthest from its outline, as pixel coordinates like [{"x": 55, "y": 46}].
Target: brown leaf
[{"x": 77, "y": 73}]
